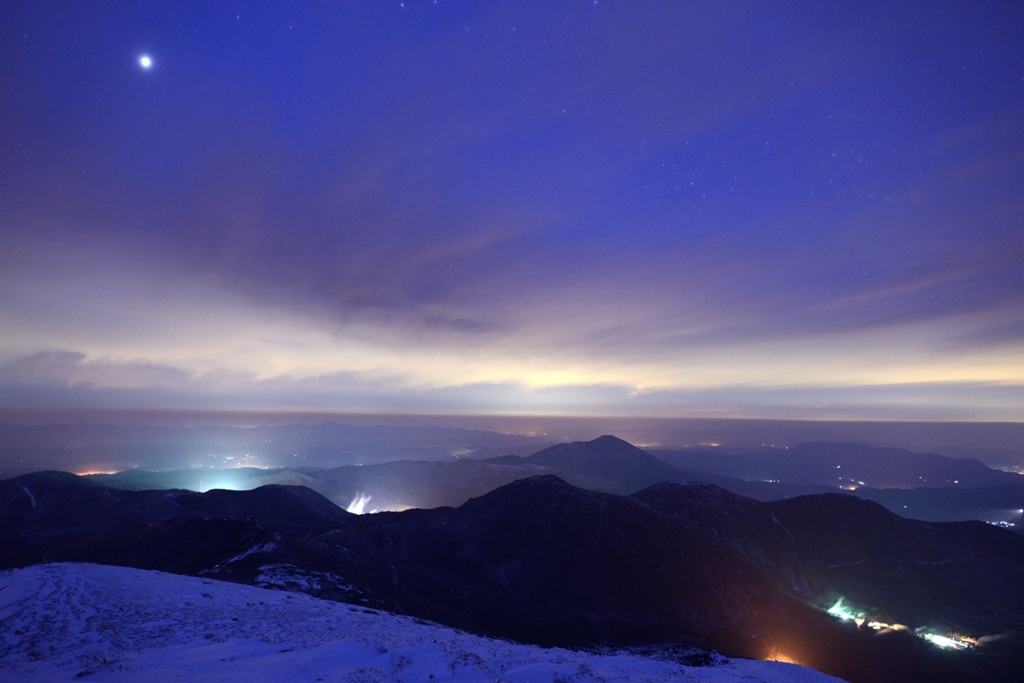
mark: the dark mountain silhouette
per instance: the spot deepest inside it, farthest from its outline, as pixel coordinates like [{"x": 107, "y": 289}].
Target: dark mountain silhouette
[
  {"x": 1003, "y": 504},
  {"x": 41, "y": 506},
  {"x": 925, "y": 486},
  {"x": 611, "y": 465},
  {"x": 203, "y": 479},
  {"x": 542, "y": 561},
  {"x": 605, "y": 464},
  {"x": 964, "y": 576},
  {"x": 419, "y": 484}
]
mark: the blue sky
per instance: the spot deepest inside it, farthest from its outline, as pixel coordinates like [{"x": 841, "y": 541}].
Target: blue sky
[{"x": 729, "y": 209}]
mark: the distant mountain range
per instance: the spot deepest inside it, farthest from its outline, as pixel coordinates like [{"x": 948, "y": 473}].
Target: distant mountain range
[
  {"x": 103, "y": 447},
  {"x": 840, "y": 464},
  {"x": 611, "y": 465},
  {"x": 542, "y": 561},
  {"x": 605, "y": 464},
  {"x": 923, "y": 486}
]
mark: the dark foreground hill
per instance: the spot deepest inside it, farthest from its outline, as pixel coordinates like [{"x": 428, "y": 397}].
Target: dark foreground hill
[
  {"x": 545, "y": 562},
  {"x": 154, "y": 626},
  {"x": 956, "y": 577}
]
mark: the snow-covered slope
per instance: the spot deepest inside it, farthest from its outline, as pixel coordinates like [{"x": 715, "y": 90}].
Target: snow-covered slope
[{"x": 102, "y": 623}]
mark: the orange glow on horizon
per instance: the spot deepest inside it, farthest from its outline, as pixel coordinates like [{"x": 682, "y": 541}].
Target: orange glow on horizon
[{"x": 777, "y": 655}]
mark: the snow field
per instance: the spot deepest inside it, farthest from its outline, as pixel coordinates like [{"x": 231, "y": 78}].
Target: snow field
[{"x": 61, "y": 622}]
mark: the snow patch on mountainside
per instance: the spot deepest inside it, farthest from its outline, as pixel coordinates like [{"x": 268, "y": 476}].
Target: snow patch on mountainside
[
  {"x": 80, "y": 621},
  {"x": 292, "y": 578}
]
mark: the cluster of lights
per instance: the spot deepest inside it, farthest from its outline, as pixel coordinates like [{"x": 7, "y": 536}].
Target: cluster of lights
[
  {"x": 1005, "y": 523},
  {"x": 852, "y": 486},
  {"x": 949, "y": 642},
  {"x": 841, "y": 611},
  {"x": 218, "y": 461}
]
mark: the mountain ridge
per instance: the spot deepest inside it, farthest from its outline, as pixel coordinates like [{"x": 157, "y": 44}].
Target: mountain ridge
[{"x": 540, "y": 560}]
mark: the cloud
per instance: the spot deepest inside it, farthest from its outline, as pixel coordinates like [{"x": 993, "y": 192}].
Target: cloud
[
  {"x": 90, "y": 321},
  {"x": 66, "y": 379},
  {"x": 70, "y": 369},
  {"x": 623, "y": 210},
  {"x": 1002, "y": 333}
]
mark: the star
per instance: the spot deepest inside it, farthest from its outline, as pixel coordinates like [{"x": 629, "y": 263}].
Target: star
[{"x": 145, "y": 61}]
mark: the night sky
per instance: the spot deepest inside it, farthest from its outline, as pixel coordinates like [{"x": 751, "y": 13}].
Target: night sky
[{"x": 598, "y": 208}]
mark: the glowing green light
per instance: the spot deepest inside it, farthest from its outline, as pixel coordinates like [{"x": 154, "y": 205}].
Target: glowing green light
[{"x": 839, "y": 611}]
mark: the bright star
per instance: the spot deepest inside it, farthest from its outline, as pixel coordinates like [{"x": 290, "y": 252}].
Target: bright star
[{"x": 145, "y": 62}]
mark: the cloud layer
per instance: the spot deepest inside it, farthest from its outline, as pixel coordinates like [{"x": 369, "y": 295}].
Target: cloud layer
[{"x": 570, "y": 209}]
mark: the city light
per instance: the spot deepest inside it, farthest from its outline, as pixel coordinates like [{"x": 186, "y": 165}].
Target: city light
[
  {"x": 948, "y": 642},
  {"x": 845, "y": 613}
]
